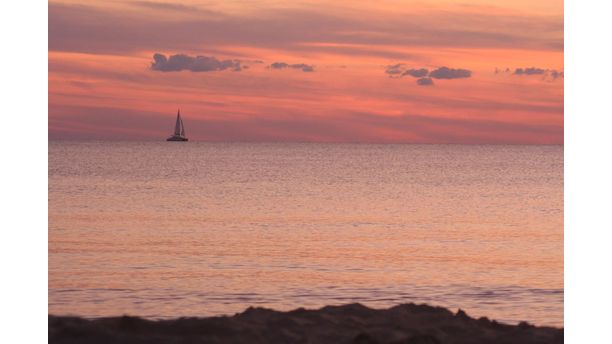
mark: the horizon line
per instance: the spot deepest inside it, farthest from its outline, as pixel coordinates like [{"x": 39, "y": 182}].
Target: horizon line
[{"x": 305, "y": 142}]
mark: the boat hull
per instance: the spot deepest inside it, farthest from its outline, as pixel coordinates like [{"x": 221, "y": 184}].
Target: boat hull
[{"x": 177, "y": 138}]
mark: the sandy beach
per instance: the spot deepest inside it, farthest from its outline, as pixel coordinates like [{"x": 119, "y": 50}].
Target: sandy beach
[{"x": 352, "y": 323}]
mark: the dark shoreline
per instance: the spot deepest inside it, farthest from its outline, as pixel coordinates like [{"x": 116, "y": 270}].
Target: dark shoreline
[{"x": 353, "y": 323}]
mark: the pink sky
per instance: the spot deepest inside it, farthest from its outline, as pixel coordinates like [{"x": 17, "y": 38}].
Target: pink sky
[{"x": 319, "y": 71}]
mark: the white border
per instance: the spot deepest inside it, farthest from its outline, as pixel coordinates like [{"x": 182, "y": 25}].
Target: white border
[
  {"x": 588, "y": 171},
  {"x": 23, "y": 171}
]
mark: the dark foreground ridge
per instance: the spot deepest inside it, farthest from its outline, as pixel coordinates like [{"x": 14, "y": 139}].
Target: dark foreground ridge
[{"x": 353, "y": 323}]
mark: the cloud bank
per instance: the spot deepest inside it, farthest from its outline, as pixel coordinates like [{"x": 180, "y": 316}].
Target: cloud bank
[{"x": 180, "y": 62}]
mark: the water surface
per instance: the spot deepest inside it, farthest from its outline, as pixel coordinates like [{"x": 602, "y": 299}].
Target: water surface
[{"x": 168, "y": 229}]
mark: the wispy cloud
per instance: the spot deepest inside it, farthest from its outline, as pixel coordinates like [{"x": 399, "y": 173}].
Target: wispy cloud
[
  {"x": 546, "y": 73},
  {"x": 529, "y": 71},
  {"x": 283, "y": 65},
  {"x": 164, "y": 6},
  {"x": 95, "y": 29},
  {"x": 395, "y": 70},
  {"x": 556, "y": 74}
]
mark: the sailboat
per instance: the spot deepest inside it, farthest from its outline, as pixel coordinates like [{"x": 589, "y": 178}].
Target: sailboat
[{"x": 179, "y": 130}]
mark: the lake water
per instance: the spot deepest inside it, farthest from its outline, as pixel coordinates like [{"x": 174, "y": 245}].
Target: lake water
[{"x": 168, "y": 229}]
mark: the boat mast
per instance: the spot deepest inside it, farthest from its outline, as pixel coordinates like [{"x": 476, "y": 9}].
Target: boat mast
[{"x": 177, "y": 126}]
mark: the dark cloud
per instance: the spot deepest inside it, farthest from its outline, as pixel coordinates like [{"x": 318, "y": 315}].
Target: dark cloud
[
  {"x": 283, "y": 65},
  {"x": 529, "y": 71},
  {"x": 180, "y": 62},
  {"x": 398, "y": 70},
  {"x": 547, "y": 74},
  {"x": 425, "y": 82},
  {"x": 450, "y": 73},
  {"x": 556, "y": 74},
  {"x": 424, "y": 76},
  {"x": 417, "y": 73}
]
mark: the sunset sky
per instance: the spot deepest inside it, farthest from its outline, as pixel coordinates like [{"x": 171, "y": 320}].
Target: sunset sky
[{"x": 441, "y": 71}]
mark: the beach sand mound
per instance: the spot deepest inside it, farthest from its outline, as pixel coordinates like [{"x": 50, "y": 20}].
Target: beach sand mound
[{"x": 353, "y": 323}]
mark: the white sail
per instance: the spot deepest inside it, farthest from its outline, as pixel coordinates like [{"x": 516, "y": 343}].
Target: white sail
[{"x": 182, "y": 128}]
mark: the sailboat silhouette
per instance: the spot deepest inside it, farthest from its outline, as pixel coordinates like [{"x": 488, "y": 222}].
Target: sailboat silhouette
[{"x": 179, "y": 130}]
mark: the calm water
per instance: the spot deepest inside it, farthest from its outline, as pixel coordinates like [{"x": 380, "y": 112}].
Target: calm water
[{"x": 163, "y": 229}]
